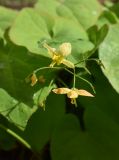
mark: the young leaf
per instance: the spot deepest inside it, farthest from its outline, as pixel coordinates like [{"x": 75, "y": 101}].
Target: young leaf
[
  {"x": 97, "y": 37},
  {"x": 41, "y": 96},
  {"x": 107, "y": 17}
]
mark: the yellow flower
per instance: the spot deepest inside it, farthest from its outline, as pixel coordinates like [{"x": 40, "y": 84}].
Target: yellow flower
[
  {"x": 58, "y": 56},
  {"x": 72, "y": 93}
]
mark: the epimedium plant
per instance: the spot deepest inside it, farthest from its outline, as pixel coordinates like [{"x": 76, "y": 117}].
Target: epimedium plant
[
  {"x": 61, "y": 47},
  {"x": 58, "y": 57}
]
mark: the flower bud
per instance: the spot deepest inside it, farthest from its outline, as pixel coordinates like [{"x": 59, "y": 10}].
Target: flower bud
[{"x": 33, "y": 79}]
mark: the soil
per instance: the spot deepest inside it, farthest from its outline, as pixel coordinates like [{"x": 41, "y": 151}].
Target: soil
[{"x": 17, "y": 4}]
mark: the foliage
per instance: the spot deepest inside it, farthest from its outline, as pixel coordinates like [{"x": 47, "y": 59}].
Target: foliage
[{"x": 61, "y": 44}]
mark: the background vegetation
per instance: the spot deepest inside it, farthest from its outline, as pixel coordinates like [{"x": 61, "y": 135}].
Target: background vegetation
[{"x": 62, "y": 131}]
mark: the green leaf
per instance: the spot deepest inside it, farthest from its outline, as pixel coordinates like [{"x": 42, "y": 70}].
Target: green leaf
[
  {"x": 16, "y": 112},
  {"x": 67, "y": 29},
  {"x": 107, "y": 17},
  {"x": 42, "y": 124},
  {"x": 80, "y": 52},
  {"x": 95, "y": 143},
  {"x": 7, "y": 142},
  {"x": 13, "y": 71},
  {"x": 86, "y": 13},
  {"x": 55, "y": 9},
  {"x": 48, "y": 12},
  {"x": 1, "y": 33},
  {"x": 100, "y": 137},
  {"x": 41, "y": 96},
  {"x": 61, "y": 20},
  {"x": 7, "y": 17},
  {"x": 63, "y": 11},
  {"x": 108, "y": 54},
  {"x": 115, "y": 9},
  {"x": 47, "y": 6},
  {"x": 33, "y": 30},
  {"x": 97, "y": 36}
]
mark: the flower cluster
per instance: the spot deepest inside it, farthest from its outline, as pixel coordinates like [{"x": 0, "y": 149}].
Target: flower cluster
[{"x": 58, "y": 56}]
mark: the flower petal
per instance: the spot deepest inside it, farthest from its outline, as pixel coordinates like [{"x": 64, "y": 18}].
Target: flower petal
[
  {"x": 61, "y": 90},
  {"x": 65, "y": 49},
  {"x": 68, "y": 63},
  {"x": 72, "y": 94},
  {"x": 82, "y": 92},
  {"x": 51, "y": 50}
]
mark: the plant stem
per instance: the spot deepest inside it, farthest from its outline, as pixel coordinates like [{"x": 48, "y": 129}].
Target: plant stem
[
  {"x": 74, "y": 79},
  {"x": 60, "y": 80},
  {"x": 91, "y": 59},
  {"x": 81, "y": 79},
  {"x": 21, "y": 140},
  {"x": 86, "y": 82},
  {"x": 69, "y": 72},
  {"x": 43, "y": 68}
]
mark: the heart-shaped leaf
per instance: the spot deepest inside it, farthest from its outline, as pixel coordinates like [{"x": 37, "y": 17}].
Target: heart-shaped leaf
[
  {"x": 7, "y": 17},
  {"x": 109, "y": 55},
  {"x": 42, "y": 124},
  {"x": 13, "y": 71},
  {"x": 33, "y": 30},
  {"x": 16, "y": 112},
  {"x": 86, "y": 13},
  {"x": 99, "y": 138}
]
